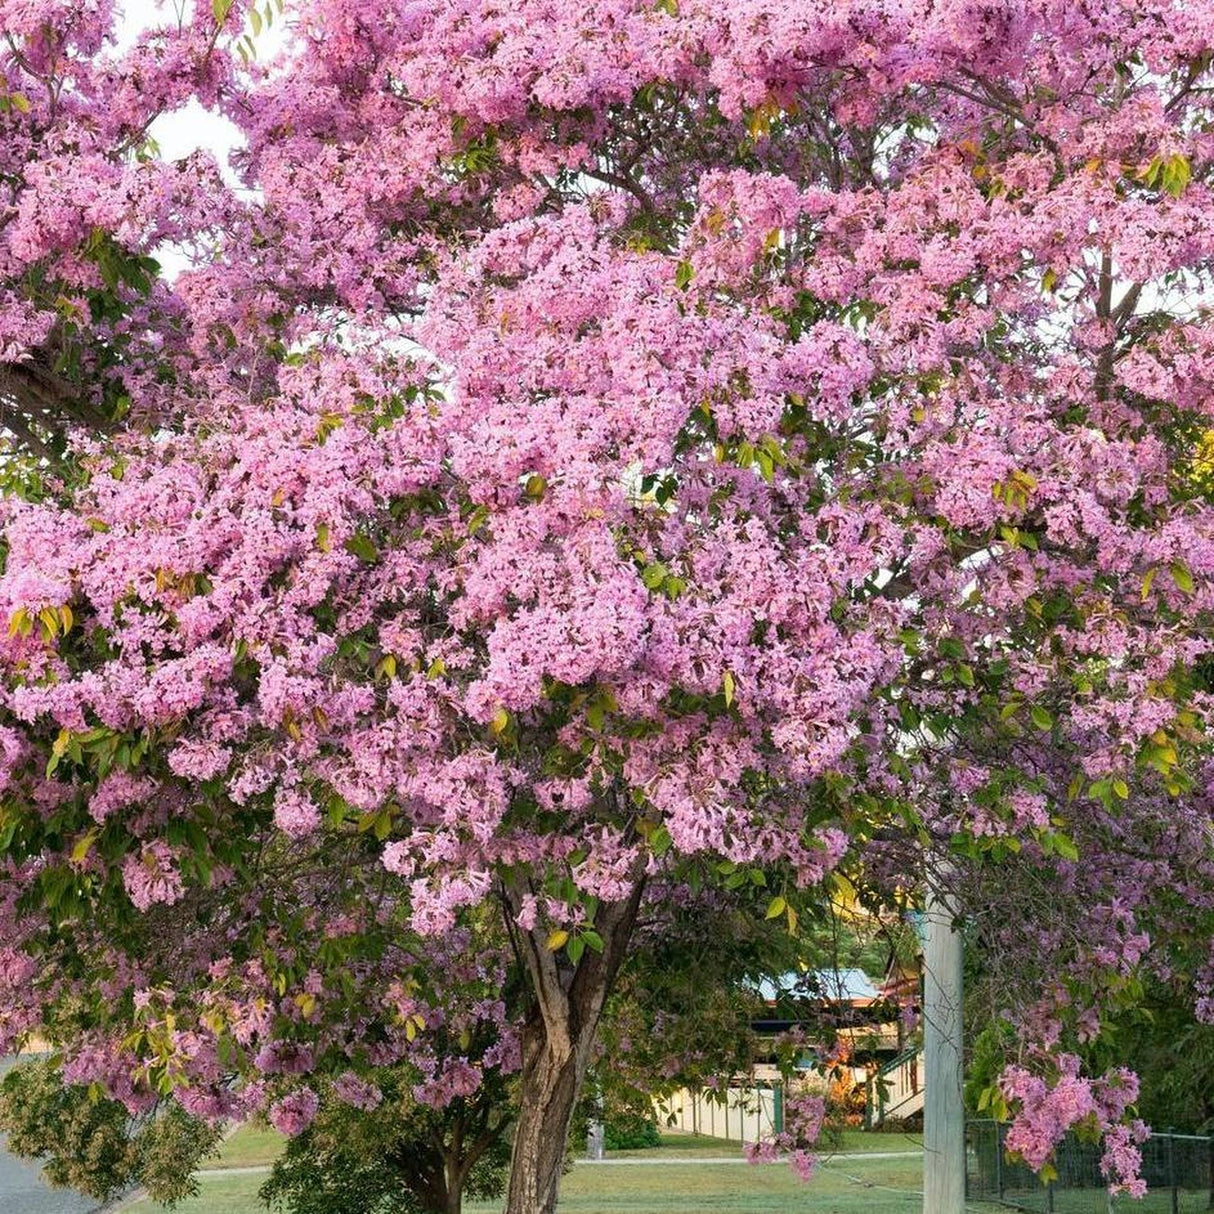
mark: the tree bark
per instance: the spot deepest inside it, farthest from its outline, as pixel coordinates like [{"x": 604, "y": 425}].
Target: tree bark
[{"x": 557, "y": 1043}]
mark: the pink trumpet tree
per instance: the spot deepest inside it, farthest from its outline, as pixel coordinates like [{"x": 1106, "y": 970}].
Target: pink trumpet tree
[{"x": 598, "y": 445}]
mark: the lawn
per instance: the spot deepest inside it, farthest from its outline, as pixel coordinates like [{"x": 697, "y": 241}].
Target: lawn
[
  {"x": 253, "y": 1145},
  {"x": 677, "y": 1176},
  {"x": 250, "y": 1146},
  {"x": 844, "y": 1185},
  {"x": 665, "y": 1183}
]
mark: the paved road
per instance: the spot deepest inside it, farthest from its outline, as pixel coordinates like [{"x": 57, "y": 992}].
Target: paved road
[{"x": 22, "y": 1189}]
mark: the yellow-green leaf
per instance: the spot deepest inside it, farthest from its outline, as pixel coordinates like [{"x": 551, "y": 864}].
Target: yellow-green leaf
[
  {"x": 83, "y": 846},
  {"x": 776, "y": 907},
  {"x": 727, "y": 685},
  {"x": 1176, "y": 175},
  {"x": 558, "y": 940}
]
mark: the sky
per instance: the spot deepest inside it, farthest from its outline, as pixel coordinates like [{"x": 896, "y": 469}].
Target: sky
[
  {"x": 192, "y": 127},
  {"x": 186, "y": 130}
]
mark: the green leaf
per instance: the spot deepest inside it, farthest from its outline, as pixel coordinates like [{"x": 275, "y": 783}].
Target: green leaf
[
  {"x": 654, "y": 575},
  {"x": 362, "y": 546},
  {"x": 1176, "y": 175},
  {"x": 83, "y": 846},
  {"x": 1064, "y": 845},
  {"x": 1041, "y": 718},
  {"x": 683, "y": 274},
  {"x": 1182, "y": 577},
  {"x": 575, "y": 948},
  {"x": 776, "y": 907}
]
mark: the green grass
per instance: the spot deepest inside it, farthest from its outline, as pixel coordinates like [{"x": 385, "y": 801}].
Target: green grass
[
  {"x": 844, "y": 1184},
  {"x": 217, "y": 1195},
  {"x": 254, "y": 1145},
  {"x": 1092, "y": 1201},
  {"x": 676, "y": 1188},
  {"x": 862, "y": 1141},
  {"x": 675, "y": 1144},
  {"x": 853, "y": 1142},
  {"x": 251, "y": 1146},
  {"x": 841, "y": 1187}
]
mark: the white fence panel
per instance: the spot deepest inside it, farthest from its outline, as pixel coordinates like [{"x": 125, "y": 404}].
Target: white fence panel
[{"x": 745, "y": 1115}]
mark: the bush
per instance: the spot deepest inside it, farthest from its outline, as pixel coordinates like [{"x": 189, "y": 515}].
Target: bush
[
  {"x": 631, "y": 1131},
  {"x": 90, "y": 1143}
]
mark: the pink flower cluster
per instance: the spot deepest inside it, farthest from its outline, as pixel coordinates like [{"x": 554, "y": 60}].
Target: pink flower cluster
[
  {"x": 1046, "y": 1110},
  {"x": 295, "y": 1111},
  {"x": 803, "y": 1115}
]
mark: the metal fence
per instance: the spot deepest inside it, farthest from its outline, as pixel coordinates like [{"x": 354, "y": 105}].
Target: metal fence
[{"x": 1178, "y": 1169}]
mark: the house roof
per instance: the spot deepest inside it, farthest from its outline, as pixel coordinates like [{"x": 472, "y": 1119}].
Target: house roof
[{"x": 832, "y": 985}]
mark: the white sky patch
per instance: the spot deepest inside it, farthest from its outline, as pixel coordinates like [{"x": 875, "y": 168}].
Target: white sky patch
[{"x": 193, "y": 128}]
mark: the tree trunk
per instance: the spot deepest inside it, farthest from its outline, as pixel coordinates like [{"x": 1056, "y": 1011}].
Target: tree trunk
[
  {"x": 557, "y": 1044},
  {"x": 551, "y": 1081}
]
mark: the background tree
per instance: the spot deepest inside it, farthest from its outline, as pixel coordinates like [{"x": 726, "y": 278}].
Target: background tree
[
  {"x": 398, "y": 1157},
  {"x": 90, "y": 1142}
]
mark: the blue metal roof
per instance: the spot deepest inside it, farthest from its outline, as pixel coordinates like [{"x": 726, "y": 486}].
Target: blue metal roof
[{"x": 836, "y": 985}]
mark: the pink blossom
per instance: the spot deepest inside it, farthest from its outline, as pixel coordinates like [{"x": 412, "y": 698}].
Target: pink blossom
[{"x": 294, "y": 1112}]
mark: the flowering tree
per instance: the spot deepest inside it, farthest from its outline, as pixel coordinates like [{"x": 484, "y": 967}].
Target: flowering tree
[{"x": 600, "y": 446}]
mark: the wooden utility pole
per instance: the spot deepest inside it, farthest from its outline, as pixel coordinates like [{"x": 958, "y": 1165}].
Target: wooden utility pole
[{"x": 943, "y": 1111}]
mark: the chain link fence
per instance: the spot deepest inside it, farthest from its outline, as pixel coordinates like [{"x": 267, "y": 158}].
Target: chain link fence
[{"x": 1178, "y": 1169}]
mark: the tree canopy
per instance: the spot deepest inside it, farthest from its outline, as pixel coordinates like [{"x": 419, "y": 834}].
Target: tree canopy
[{"x": 592, "y": 454}]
